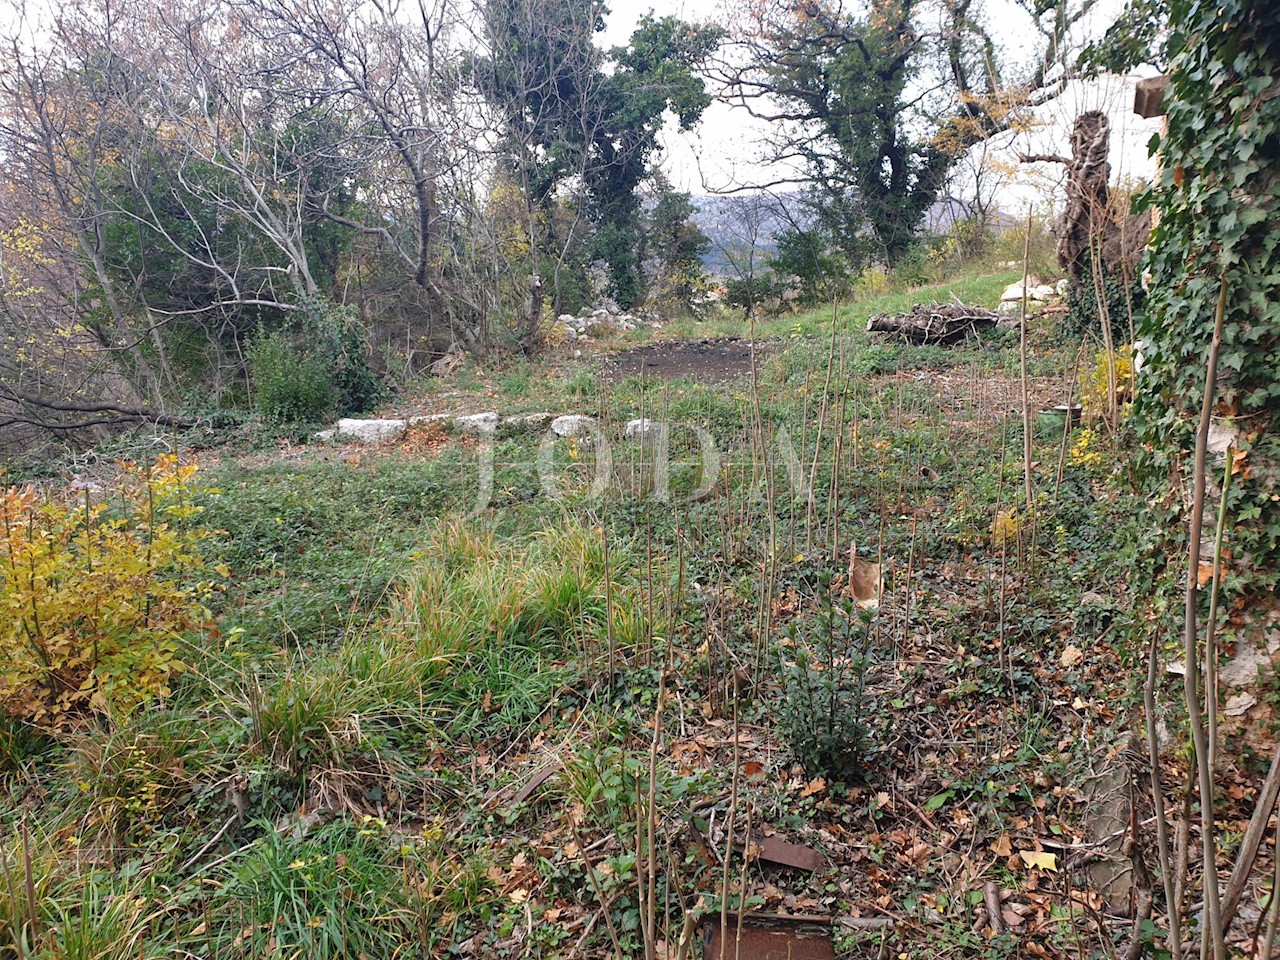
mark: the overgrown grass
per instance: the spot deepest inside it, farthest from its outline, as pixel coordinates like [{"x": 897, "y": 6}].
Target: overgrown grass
[{"x": 350, "y": 765}]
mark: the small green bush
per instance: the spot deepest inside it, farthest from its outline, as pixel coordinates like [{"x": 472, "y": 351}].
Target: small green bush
[
  {"x": 913, "y": 270},
  {"x": 825, "y": 711},
  {"x": 290, "y": 385},
  {"x": 319, "y": 368},
  {"x": 761, "y": 293}
]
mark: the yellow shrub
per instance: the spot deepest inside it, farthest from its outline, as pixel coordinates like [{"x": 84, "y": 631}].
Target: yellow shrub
[
  {"x": 1005, "y": 526},
  {"x": 1093, "y": 390},
  {"x": 1084, "y": 451},
  {"x": 93, "y": 596}
]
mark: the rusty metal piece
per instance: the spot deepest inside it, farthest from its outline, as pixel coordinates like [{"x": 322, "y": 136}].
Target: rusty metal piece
[
  {"x": 770, "y": 937},
  {"x": 1148, "y": 97},
  {"x": 776, "y": 850},
  {"x": 540, "y": 776},
  {"x": 536, "y": 779}
]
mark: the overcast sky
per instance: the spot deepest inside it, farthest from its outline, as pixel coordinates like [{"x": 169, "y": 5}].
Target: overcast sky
[{"x": 725, "y": 149}]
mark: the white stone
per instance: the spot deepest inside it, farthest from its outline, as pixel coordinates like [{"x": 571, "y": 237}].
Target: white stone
[
  {"x": 1139, "y": 357},
  {"x": 477, "y": 424},
  {"x": 1014, "y": 290},
  {"x": 1221, "y": 436},
  {"x": 527, "y": 423},
  {"x": 429, "y": 419},
  {"x": 1242, "y": 669},
  {"x": 567, "y": 318},
  {"x": 369, "y": 431},
  {"x": 1062, "y": 287},
  {"x": 1238, "y": 704},
  {"x": 326, "y": 434},
  {"x": 572, "y": 425},
  {"x": 641, "y": 429},
  {"x": 1041, "y": 293}
]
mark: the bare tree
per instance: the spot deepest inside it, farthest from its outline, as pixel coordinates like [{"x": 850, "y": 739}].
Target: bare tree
[{"x": 392, "y": 66}]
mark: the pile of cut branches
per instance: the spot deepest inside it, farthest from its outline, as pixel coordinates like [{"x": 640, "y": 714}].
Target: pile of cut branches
[{"x": 933, "y": 323}]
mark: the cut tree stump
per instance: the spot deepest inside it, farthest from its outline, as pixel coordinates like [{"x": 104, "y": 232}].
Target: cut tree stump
[{"x": 934, "y": 323}]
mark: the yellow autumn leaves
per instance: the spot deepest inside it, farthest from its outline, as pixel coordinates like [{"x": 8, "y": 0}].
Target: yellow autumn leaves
[{"x": 95, "y": 593}]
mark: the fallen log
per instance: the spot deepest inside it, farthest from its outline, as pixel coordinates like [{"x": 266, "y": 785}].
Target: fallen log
[{"x": 934, "y": 323}]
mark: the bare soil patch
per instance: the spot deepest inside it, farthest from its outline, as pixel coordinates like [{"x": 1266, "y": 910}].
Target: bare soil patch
[{"x": 708, "y": 360}]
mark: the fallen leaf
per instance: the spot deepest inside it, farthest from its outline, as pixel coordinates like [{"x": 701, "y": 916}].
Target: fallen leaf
[
  {"x": 1002, "y": 847},
  {"x": 1204, "y": 573},
  {"x": 752, "y": 769},
  {"x": 1071, "y": 656},
  {"x": 1039, "y": 860},
  {"x": 816, "y": 785}
]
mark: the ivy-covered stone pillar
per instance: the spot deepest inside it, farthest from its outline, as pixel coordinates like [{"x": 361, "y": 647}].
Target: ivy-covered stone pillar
[{"x": 1218, "y": 199}]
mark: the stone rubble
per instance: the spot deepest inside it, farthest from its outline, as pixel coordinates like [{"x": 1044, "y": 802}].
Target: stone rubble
[
  {"x": 572, "y": 425},
  {"x": 1037, "y": 293},
  {"x": 641, "y": 429},
  {"x": 600, "y": 320},
  {"x": 477, "y": 424},
  {"x": 487, "y": 424},
  {"x": 364, "y": 431}
]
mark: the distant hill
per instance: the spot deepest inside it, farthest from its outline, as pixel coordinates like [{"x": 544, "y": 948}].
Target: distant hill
[{"x": 738, "y": 222}]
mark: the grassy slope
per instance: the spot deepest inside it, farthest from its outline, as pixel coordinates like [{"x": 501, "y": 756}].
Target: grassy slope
[
  {"x": 336, "y": 774},
  {"x": 979, "y": 289}
]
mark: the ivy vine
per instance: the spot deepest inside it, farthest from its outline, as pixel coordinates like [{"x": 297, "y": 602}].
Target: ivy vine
[{"x": 1218, "y": 203}]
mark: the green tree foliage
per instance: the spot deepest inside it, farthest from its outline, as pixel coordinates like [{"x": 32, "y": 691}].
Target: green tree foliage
[
  {"x": 1219, "y": 201},
  {"x": 873, "y": 159},
  {"x": 314, "y": 367},
  {"x": 671, "y": 245},
  {"x": 571, "y": 112},
  {"x": 803, "y": 262},
  {"x": 1137, "y": 36}
]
